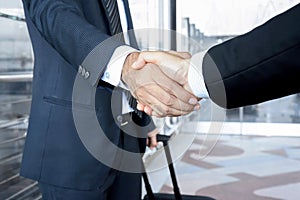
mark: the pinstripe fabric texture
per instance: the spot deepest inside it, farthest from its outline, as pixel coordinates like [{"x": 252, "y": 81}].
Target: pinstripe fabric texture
[{"x": 111, "y": 7}]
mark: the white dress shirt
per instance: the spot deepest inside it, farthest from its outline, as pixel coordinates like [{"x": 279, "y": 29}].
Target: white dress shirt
[{"x": 113, "y": 72}]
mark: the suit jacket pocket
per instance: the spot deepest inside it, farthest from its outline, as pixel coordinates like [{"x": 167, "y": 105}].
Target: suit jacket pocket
[
  {"x": 65, "y": 156},
  {"x": 67, "y": 103}
]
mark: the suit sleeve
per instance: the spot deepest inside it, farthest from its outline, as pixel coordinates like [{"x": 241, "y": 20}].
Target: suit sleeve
[
  {"x": 63, "y": 25},
  {"x": 258, "y": 66}
]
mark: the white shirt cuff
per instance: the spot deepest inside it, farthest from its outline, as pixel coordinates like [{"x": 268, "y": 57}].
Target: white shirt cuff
[
  {"x": 195, "y": 77},
  {"x": 113, "y": 72}
]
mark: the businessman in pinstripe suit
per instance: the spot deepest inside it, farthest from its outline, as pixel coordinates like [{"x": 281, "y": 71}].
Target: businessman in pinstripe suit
[{"x": 68, "y": 38}]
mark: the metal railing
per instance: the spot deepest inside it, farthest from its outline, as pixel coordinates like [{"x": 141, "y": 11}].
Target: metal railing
[
  {"x": 16, "y": 77},
  {"x": 13, "y": 134},
  {"x": 12, "y": 17}
]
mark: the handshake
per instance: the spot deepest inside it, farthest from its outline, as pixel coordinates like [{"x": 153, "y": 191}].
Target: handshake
[{"x": 159, "y": 82}]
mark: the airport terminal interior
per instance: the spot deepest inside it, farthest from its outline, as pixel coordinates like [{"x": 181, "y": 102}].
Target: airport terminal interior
[{"x": 249, "y": 153}]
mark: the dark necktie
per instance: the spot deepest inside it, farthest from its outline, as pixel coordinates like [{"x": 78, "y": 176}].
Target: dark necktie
[
  {"x": 111, "y": 7},
  {"x": 115, "y": 28}
]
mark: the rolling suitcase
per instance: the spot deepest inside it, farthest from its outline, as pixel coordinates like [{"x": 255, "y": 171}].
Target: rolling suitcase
[{"x": 162, "y": 196}]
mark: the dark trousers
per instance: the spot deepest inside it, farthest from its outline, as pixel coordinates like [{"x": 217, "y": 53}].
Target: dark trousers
[{"x": 123, "y": 186}]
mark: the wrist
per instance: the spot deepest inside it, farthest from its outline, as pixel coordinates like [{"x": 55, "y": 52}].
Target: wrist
[
  {"x": 195, "y": 78},
  {"x": 127, "y": 66}
]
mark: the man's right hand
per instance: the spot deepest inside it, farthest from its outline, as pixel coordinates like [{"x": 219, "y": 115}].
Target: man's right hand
[
  {"x": 173, "y": 64},
  {"x": 153, "y": 88}
]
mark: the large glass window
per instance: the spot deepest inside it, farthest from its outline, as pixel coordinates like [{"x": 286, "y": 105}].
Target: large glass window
[
  {"x": 213, "y": 22},
  {"x": 16, "y": 65}
]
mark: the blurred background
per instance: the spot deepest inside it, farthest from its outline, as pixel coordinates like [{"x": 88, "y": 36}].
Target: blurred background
[{"x": 258, "y": 151}]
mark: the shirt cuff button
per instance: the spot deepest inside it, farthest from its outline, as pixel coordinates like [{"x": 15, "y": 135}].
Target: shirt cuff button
[{"x": 107, "y": 75}]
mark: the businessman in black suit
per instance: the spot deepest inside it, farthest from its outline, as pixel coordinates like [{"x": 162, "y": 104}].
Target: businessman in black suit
[
  {"x": 260, "y": 65},
  {"x": 69, "y": 39}
]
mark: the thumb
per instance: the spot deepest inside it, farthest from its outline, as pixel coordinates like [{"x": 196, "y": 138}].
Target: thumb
[
  {"x": 154, "y": 57},
  {"x": 139, "y": 63}
]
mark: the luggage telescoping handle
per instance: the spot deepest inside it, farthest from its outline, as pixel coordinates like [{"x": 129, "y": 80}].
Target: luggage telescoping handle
[
  {"x": 148, "y": 186},
  {"x": 171, "y": 166},
  {"x": 164, "y": 139}
]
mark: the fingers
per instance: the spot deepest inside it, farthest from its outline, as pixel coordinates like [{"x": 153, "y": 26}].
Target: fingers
[
  {"x": 185, "y": 55},
  {"x": 140, "y": 107},
  {"x": 157, "y": 109},
  {"x": 156, "y": 57},
  {"x": 164, "y": 101},
  {"x": 175, "y": 67},
  {"x": 139, "y": 63},
  {"x": 148, "y": 110},
  {"x": 162, "y": 110},
  {"x": 184, "y": 98},
  {"x": 174, "y": 95},
  {"x": 177, "y": 98},
  {"x": 151, "y": 140},
  {"x": 144, "y": 108}
]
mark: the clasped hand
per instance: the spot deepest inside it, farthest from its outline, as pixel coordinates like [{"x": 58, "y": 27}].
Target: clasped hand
[{"x": 159, "y": 82}]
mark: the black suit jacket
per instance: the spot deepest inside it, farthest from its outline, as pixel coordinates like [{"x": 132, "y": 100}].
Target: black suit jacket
[
  {"x": 68, "y": 42},
  {"x": 260, "y": 65}
]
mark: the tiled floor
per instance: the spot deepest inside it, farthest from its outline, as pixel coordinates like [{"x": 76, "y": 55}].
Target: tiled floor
[
  {"x": 248, "y": 167},
  {"x": 242, "y": 167},
  {"x": 237, "y": 167}
]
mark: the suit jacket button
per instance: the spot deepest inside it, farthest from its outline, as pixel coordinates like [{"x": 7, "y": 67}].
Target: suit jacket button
[
  {"x": 83, "y": 72},
  {"x": 120, "y": 118},
  {"x": 87, "y": 75},
  {"x": 80, "y": 69}
]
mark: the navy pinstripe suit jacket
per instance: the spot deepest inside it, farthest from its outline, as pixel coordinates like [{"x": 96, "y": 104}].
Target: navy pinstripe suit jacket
[{"x": 65, "y": 35}]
